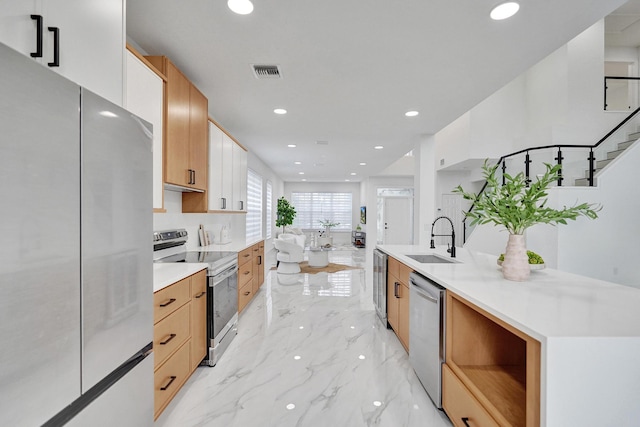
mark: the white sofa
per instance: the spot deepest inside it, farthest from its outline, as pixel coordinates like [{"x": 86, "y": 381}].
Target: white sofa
[{"x": 290, "y": 252}]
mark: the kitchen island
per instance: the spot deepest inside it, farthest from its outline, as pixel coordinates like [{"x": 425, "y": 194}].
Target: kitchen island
[{"x": 588, "y": 330}]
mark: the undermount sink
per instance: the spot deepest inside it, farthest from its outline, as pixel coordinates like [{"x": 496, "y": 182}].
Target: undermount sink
[{"x": 430, "y": 259}]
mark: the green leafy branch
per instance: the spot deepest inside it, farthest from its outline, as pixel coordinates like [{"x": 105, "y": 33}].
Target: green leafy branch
[{"x": 516, "y": 206}]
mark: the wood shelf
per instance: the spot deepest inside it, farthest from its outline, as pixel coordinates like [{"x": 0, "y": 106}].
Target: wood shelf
[{"x": 504, "y": 387}]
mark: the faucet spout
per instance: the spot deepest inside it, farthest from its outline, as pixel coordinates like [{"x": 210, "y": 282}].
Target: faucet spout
[{"x": 452, "y": 250}]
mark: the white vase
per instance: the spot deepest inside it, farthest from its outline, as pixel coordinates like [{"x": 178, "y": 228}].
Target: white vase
[{"x": 516, "y": 262}]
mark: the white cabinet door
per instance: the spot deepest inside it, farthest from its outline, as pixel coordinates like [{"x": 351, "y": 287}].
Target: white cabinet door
[
  {"x": 91, "y": 41},
  {"x": 17, "y": 29},
  {"x": 144, "y": 97},
  {"x": 227, "y": 172},
  {"x": 239, "y": 178},
  {"x": 216, "y": 162}
]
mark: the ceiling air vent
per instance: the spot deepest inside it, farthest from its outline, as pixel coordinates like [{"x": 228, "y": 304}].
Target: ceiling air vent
[{"x": 266, "y": 71}]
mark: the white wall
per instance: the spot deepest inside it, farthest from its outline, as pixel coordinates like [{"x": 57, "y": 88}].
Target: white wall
[{"x": 339, "y": 237}]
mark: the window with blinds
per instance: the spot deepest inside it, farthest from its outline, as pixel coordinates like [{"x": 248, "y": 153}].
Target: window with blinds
[
  {"x": 269, "y": 218},
  {"x": 311, "y": 208},
  {"x": 254, "y": 206}
]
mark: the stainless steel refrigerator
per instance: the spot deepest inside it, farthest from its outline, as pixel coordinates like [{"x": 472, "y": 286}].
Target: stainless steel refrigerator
[{"x": 76, "y": 312}]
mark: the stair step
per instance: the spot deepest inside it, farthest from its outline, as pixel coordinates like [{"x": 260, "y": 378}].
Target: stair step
[
  {"x": 634, "y": 135},
  {"x": 582, "y": 182},
  {"x": 613, "y": 154},
  {"x": 602, "y": 163},
  {"x": 625, "y": 145},
  {"x": 586, "y": 172}
]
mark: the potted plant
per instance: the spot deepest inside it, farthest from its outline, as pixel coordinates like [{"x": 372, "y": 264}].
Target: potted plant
[
  {"x": 324, "y": 239},
  {"x": 517, "y": 205},
  {"x": 285, "y": 213}
]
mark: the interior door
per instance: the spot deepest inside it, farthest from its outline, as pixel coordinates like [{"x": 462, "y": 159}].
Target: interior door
[{"x": 398, "y": 221}]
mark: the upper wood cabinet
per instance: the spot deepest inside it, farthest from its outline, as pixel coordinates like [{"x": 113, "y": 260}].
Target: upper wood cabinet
[
  {"x": 144, "y": 98},
  {"x": 186, "y": 130},
  {"x": 227, "y": 172},
  {"x": 87, "y": 36}
]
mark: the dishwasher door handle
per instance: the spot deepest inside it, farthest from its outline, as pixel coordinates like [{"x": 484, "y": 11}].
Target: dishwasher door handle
[{"x": 427, "y": 297}]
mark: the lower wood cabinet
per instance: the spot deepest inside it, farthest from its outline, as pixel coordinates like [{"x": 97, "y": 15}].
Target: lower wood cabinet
[
  {"x": 179, "y": 335},
  {"x": 398, "y": 299},
  {"x": 250, "y": 273},
  {"x": 492, "y": 371}
]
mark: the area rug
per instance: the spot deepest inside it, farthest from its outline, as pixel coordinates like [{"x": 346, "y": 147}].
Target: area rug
[{"x": 331, "y": 268}]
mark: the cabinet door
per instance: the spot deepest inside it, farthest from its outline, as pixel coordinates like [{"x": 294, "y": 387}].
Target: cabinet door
[
  {"x": 261, "y": 270},
  {"x": 198, "y": 137},
  {"x": 239, "y": 178},
  {"x": 92, "y": 43},
  {"x": 198, "y": 318},
  {"x": 403, "y": 315},
  {"x": 227, "y": 172},
  {"x": 392, "y": 302},
  {"x": 17, "y": 29},
  {"x": 144, "y": 98},
  {"x": 215, "y": 167},
  {"x": 176, "y": 166}
]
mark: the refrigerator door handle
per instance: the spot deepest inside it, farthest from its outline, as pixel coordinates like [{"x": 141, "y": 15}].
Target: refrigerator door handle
[
  {"x": 38, "y": 52},
  {"x": 56, "y": 47}
]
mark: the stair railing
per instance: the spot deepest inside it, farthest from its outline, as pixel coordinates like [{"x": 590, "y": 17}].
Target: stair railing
[{"x": 559, "y": 150}]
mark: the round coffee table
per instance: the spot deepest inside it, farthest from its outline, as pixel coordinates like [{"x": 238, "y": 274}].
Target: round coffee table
[{"x": 318, "y": 256}]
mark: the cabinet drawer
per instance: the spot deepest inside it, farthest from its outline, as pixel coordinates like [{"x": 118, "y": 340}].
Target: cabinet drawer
[
  {"x": 170, "y": 377},
  {"x": 245, "y": 273},
  {"x": 169, "y": 299},
  {"x": 393, "y": 267},
  {"x": 173, "y": 331},
  {"x": 245, "y": 255},
  {"x": 244, "y": 295},
  {"x": 403, "y": 274},
  {"x": 459, "y": 403}
]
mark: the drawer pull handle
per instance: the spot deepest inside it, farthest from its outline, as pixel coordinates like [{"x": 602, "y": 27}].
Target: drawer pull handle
[
  {"x": 171, "y": 380},
  {"x": 246, "y": 255},
  {"x": 246, "y": 272},
  {"x": 38, "y": 52},
  {"x": 165, "y": 342},
  {"x": 56, "y": 47},
  {"x": 464, "y": 420},
  {"x": 201, "y": 294},
  {"x": 171, "y": 301},
  {"x": 259, "y": 259},
  {"x": 396, "y": 294},
  {"x": 247, "y": 293}
]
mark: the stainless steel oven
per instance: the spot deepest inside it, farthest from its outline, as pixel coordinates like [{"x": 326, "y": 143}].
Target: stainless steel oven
[{"x": 222, "y": 289}]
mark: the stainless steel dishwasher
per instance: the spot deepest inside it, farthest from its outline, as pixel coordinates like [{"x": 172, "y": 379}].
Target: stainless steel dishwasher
[{"x": 426, "y": 334}]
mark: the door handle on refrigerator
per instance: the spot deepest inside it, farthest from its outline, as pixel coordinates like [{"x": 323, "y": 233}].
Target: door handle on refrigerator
[
  {"x": 56, "y": 47},
  {"x": 38, "y": 52}
]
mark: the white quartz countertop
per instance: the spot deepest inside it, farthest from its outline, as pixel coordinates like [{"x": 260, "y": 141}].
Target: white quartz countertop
[
  {"x": 165, "y": 274},
  {"x": 552, "y": 304},
  {"x": 235, "y": 246}
]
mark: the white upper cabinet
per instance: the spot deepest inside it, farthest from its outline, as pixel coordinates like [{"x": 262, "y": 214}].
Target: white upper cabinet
[
  {"x": 143, "y": 97},
  {"x": 83, "y": 40},
  {"x": 227, "y": 172},
  {"x": 239, "y": 178}
]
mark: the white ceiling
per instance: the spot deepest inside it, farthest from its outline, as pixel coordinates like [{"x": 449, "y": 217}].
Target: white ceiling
[
  {"x": 622, "y": 26},
  {"x": 351, "y": 69}
]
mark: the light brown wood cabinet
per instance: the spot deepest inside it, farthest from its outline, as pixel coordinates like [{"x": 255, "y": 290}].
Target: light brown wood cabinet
[
  {"x": 492, "y": 371},
  {"x": 398, "y": 299},
  {"x": 250, "y": 273},
  {"x": 186, "y": 133},
  {"x": 179, "y": 335}
]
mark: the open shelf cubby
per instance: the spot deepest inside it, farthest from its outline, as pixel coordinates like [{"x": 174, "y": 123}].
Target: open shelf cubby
[{"x": 498, "y": 364}]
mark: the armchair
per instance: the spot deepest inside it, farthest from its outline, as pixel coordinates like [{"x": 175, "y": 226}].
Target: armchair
[{"x": 290, "y": 253}]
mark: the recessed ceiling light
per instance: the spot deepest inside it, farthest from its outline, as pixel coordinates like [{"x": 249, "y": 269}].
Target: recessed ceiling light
[
  {"x": 280, "y": 111},
  {"x": 291, "y": 406},
  {"x": 297, "y": 163},
  {"x": 297, "y": 357},
  {"x": 361, "y": 357},
  {"x": 378, "y": 147},
  {"x": 291, "y": 145},
  {"x": 377, "y": 403},
  {"x": 353, "y": 173},
  {"x": 363, "y": 164},
  {"x": 411, "y": 113},
  {"x": 304, "y": 179},
  {"x": 504, "y": 10},
  {"x": 241, "y": 7},
  {"x": 347, "y": 180},
  {"x": 300, "y": 173}
]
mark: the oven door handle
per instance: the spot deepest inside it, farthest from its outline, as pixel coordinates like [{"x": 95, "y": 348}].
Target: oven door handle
[{"x": 225, "y": 274}]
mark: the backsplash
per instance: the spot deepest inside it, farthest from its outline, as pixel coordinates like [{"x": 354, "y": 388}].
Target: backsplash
[{"x": 174, "y": 218}]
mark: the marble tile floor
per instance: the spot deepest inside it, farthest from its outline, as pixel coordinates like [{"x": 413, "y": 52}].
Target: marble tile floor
[{"x": 310, "y": 352}]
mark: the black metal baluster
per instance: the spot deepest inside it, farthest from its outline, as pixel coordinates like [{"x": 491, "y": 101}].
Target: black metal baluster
[
  {"x": 559, "y": 159},
  {"x": 592, "y": 160},
  {"x": 526, "y": 168}
]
